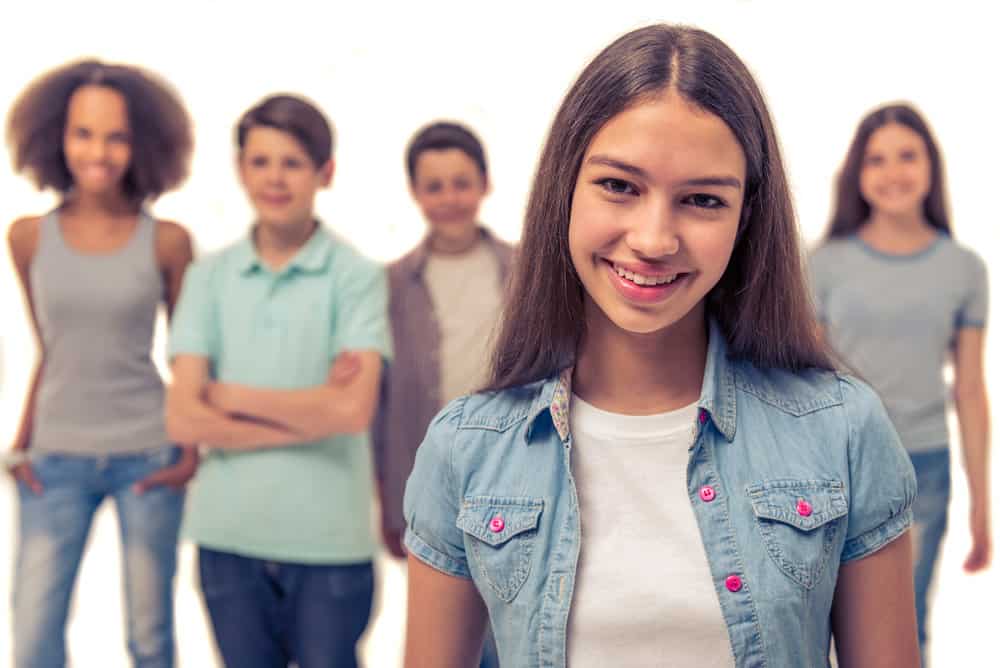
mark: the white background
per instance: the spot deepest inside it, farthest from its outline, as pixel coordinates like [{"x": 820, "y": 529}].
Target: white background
[{"x": 381, "y": 71}]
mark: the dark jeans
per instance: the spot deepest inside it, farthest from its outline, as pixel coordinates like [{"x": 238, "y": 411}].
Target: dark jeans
[
  {"x": 268, "y": 614},
  {"x": 930, "y": 519}
]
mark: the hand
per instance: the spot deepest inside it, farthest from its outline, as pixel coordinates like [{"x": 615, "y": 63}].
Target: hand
[
  {"x": 982, "y": 544},
  {"x": 345, "y": 367},
  {"x": 26, "y": 474},
  {"x": 175, "y": 476},
  {"x": 393, "y": 539}
]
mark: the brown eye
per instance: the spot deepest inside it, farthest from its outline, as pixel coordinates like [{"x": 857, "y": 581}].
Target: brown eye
[
  {"x": 618, "y": 186},
  {"x": 705, "y": 201}
]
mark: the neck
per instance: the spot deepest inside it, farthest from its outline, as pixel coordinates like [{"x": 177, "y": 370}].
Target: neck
[
  {"x": 897, "y": 234},
  {"x": 641, "y": 374},
  {"x": 457, "y": 246},
  {"x": 277, "y": 244},
  {"x": 911, "y": 223},
  {"x": 112, "y": 204}
]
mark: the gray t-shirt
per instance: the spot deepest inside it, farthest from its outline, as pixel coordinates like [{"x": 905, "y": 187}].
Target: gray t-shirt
[{"x": 893, "y": 319}]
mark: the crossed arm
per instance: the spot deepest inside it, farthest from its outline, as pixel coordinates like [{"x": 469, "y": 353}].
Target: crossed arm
[{"x": 240, "y": 417}]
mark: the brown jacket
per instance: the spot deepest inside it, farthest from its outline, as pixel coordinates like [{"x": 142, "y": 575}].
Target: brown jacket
[{"x": 411, "y": 387}]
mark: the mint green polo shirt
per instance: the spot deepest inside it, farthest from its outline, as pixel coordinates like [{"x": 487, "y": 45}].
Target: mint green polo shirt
[{"x": 309, "y": 503}]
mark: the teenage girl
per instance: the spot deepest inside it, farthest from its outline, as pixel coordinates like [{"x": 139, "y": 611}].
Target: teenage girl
[
  {"x": 108, "y": 139},
  {"x": 899, "y": 299},
  {"x": 664, "y": 469}
]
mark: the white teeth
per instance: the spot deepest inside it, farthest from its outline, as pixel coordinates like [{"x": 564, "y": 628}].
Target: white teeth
[{"x": 640, "y": 279}]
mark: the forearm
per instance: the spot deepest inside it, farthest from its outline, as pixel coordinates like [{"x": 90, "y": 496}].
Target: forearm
[
  {"x": 972, "y": 408},
  {"x": 22, "y": 439},
  {"x": 191, "y": 421},
  {"x": 313, "y": 412}
]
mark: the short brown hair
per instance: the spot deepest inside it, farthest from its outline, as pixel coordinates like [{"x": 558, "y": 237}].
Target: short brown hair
[
  {"x": 296, "y": 116},
  {"x": 761, "y": 302},
  {"x": 442, "y": 135},
  {"x": 160, "y": 127},
  {"x": 851, "y": 210}
]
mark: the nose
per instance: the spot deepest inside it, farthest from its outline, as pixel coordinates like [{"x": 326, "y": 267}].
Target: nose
[
  {"x": 275, "y": 174},
  {"x": 450, "y": 197},
  {"x": 653, "y": 232},
  {"x": 97, "y": 150}
]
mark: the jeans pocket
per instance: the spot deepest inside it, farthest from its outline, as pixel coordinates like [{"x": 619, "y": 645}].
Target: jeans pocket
[
  {"x": 162, "y": 457},
  {"x": 500, "y": 536},
  {"x": 798, "y": 521}
]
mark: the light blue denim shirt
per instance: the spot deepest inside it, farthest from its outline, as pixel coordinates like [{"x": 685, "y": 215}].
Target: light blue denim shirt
[{"x": 790, "y": 476}]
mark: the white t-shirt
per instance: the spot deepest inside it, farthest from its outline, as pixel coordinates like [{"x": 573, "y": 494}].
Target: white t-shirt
[
  {"x": 644, "y": 595},
  {"x": 466, "y": 294}
]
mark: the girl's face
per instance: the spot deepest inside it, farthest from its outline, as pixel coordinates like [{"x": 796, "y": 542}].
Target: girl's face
[
  {"x": 449, "y": 188},
  {"x": 655, "y": 212},
  {"x": 97, "y": 142},
  {"x": 280, "y": 178},
  {"x": 896, "y": 172}
]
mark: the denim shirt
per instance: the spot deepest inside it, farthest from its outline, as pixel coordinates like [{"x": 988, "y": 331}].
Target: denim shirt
[{"x": 790, "y": 475}]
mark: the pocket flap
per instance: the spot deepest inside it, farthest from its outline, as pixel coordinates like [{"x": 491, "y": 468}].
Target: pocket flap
[
  {"x": 803, "y": 504},
  {"x": 495, "y": 520}
]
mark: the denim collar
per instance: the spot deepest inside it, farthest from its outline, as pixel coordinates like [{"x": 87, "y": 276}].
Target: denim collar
[{"x": 717, "y": 401}]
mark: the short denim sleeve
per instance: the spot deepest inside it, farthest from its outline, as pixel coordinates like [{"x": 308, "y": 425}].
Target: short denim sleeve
[
  {"x": 973, "y": 310},
  {"x": 431, "y": 502},
  {"x": 362, "y": 309},
  {"x": 882, "y": 481},
  {"x": 194, "y": 327},
  {"x": 819, "y": 282}
]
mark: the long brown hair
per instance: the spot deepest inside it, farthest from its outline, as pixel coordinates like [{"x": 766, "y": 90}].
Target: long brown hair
[
  {"x": 160, "y": 127},
  {"x": 851, "y": 210},
  {"x": 760, "y": 302}
]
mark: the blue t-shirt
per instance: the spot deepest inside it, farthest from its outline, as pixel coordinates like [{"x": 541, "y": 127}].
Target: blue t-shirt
[
  {"x": 282, "y": 329},
  {"x": 893, "y": 319}
]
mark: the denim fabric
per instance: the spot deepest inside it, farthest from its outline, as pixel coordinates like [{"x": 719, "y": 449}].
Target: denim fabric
[
  {"x": 492, "y": 498},
  {"x": 53, "y": 534},
  {"x": 268, "y": 614},
  {"x": 930, "y": 519}
]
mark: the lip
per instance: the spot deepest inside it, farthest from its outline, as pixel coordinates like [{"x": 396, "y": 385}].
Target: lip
[
  {"x": 645, "y": 294},
  {"x": 275, "y": 200},
  {"x": 450, "y": 217}
]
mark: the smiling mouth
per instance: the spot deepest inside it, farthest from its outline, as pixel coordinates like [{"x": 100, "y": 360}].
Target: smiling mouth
[{"x": 648, "y": 280}]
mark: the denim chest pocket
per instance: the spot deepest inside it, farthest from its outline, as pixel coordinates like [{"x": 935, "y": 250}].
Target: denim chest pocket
[
  {"x": 798, "y": 521},
  {"x": 501, "y": 535}
]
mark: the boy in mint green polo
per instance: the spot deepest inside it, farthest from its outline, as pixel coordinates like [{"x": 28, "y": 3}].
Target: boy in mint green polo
[{"x": 277, "y": 348}]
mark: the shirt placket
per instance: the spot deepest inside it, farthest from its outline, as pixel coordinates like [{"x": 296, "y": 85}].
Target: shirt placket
[{"x": 710, "y": 502}]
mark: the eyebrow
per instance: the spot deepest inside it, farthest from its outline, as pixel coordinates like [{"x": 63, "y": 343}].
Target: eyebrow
[{"x": 723, "y": 181}]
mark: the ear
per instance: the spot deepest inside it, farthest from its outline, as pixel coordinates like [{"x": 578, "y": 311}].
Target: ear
[
  {"x": 238, "y": 163},
  {"x": 326, "y": 173}
]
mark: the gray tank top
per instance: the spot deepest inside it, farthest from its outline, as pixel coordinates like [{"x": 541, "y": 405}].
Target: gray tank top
[{"x": 99, "y": 393}]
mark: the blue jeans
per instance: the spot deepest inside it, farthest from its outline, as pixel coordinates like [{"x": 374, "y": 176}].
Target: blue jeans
[
  {"x": 930, "y": 519},
  {"x": 267, "y": 614},
  {"x": 53, "y": 533}
]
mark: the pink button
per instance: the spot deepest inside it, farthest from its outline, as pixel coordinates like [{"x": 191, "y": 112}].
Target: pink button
[
  {"x": 734, "y": 583},
  {"x": 702, "y": 416},
  {"x": 707, "y": 493},
  {"x": 804, "y": 507},
  {"x": 497, "y": 524}
]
